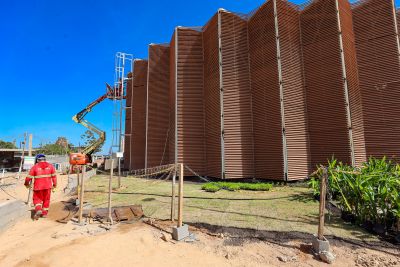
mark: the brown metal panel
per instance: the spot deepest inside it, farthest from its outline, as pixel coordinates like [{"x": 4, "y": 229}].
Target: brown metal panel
[
  {"x": 237, "y": 111},
  {"x": 268, "y": 147},
  {"x": 172, "y": 100},
  {"x": 326, "y": 105},
  {"x": 349, "y": 50},
  {"x": 294, "y": 97},
  {"x": 189, "y": 100},
  {"x": 379, "y": 69},
  {"x": 158, "y": 126},
  {"x": 212, "y": 98},
  {"x": 128, "y": 122},
  {"x": 138, "y": 114}
]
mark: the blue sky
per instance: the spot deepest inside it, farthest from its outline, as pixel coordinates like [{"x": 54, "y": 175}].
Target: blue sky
[{"x": 57, "y": 55}]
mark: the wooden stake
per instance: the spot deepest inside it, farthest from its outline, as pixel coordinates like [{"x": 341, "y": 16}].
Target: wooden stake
[
  {"x": 110, "y": 220},
  {"x": 28, "y": 202},
  {"x": 180, "y": 200},
  {"x": 81, "y": 194},
  {"x": 322, "y": 198},
  {"x": 173, "y": 196}
]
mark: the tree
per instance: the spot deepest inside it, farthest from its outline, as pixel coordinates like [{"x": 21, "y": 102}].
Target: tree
[
  {"x": 53, "y": 149},
  {"x": 62, "y": 141},
  {"x": 4, "y": 144},
  {"x": 88, "y": 139}
]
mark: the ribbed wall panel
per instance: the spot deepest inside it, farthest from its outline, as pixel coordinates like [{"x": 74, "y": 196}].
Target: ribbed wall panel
[
  {"x": 238, "y": 121},
  {"x": 379, "y": 71},
  {"x": 326, "y": 106},
  {"x": 138, "y": 115},
  {"x": 294, "y": 97},
  {"x": 268, "y": 150},
  {"x": 349, "y": 50},
  {"x": 212, "y": 98},
  {"x": 128, "y": 123},
  {"x": 158, "y": 126},
  {"x": 172, "y": 98},
  {"x": 190, "y": 104}
]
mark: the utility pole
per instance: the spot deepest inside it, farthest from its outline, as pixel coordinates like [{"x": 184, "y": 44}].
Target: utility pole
[
  {"x": 30, "y": 145},
  {"x": 22, "y": 157}
]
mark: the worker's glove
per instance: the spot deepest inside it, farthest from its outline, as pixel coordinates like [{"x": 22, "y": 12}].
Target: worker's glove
[
  {"x": 53, "y": 189},
  {"x": 27, "y": 186}
]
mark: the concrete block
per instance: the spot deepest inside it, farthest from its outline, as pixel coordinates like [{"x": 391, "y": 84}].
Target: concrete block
[
  {"x": 179, "y": 233},
  {"x": 320, "y": 245}
]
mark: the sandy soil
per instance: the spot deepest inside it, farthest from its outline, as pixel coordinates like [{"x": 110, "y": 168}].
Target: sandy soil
[
  {"x": 15, "y": 189},
  {"x": 48, "y": 243}
]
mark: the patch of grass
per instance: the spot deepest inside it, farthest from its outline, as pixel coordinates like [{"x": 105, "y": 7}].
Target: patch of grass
[
  {"x": 282, "y": 209},
  {"x": 211, "y": 187},
  {"x": 216, "y": 186}
]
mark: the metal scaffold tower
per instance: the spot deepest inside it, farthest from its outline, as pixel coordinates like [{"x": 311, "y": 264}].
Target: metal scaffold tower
[{"x": 123, "y": 65}]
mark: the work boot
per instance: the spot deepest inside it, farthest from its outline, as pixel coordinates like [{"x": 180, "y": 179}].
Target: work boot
[{"x": 37, "y": 215}]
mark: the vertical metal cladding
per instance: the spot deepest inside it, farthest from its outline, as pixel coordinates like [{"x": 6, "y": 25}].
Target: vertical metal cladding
[
  {"x": 379, "y": 69},
  {"x": 352, "y": 78},
  {"x": 267, "y": 126},
  {"x": 326, "y": 104},
  {"x": 158, "y": 126},
  {"x": 237, "y": 102},
  {"x": 189, "y": 99},
  {"x": 212, "y": 98},
  {"x": 138, "y": 115},
  {"x": 172, "y": 100},
  {"x": 294, "y": 98},
  {"x": 128, "y": 122}
]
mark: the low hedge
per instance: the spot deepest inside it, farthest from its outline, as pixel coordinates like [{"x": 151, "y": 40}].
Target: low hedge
[{"x": 230, "y": 186}]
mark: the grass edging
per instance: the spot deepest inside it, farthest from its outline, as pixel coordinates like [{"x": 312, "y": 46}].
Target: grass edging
[{"x": 230, "y": 186}]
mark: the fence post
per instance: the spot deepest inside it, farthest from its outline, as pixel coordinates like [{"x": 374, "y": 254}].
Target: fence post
[
  {"x": 322, "y": 198},
  {"x": 81, "y": 193},
  {"x": 180, "y": 200},
  {"x": 173, "y": 194},
  {"x": 110, "y": 191}
]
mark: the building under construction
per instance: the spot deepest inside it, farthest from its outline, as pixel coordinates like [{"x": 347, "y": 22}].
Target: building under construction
[{"x": 270, "y": 94}]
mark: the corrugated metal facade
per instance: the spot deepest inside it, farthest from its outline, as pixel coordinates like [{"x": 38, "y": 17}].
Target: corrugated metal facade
[
  {"x": 267, "y": 127},
  {"x": 138, "y": 115},
  {"x": 212, "y": 107},
  {"x": 326, "y": 105},
  {"x": 189, "y": 104},
  {"x": 379, "y": 70},
  {"x": 128, "y": 123},
  {"x": 238, "y": 157},
  {"x": 157, "y": 121},
  {"x": 352, "y": 78},
  {"x": 273, "y": 94},
  {"x": 293, "y": 90}
]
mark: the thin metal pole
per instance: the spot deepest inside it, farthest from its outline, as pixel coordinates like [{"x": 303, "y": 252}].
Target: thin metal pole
[
  {"x": 173, "y": 195},
  {"x": 322, "y": 197},
  {"x": 81, "y": 194},
  {"x": 119, "y": 172},
  {"x": 110, "y": 191},
  {"x": 180, "y": 200}
]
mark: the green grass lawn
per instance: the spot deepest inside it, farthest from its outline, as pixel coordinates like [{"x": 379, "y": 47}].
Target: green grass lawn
[{"x": 282, "y": 209}]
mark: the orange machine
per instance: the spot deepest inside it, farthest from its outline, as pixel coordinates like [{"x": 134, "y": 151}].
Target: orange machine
[{"x": 84, "y": 157}]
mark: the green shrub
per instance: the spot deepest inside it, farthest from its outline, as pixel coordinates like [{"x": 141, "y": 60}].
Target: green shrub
[
  {"x": 230, "y": 186},
  {"x": 210, "y": 187},
  {"x": 370, "y": 193}
]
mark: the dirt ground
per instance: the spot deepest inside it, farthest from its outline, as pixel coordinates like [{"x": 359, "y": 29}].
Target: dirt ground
[{"x": 48, "y": 243}]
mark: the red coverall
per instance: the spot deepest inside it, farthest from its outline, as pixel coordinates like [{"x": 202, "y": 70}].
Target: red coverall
[{"x": 44, "y": 178}]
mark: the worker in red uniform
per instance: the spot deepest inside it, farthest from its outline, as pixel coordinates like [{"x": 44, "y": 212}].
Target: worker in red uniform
[{"x": 43, "y": 178}]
